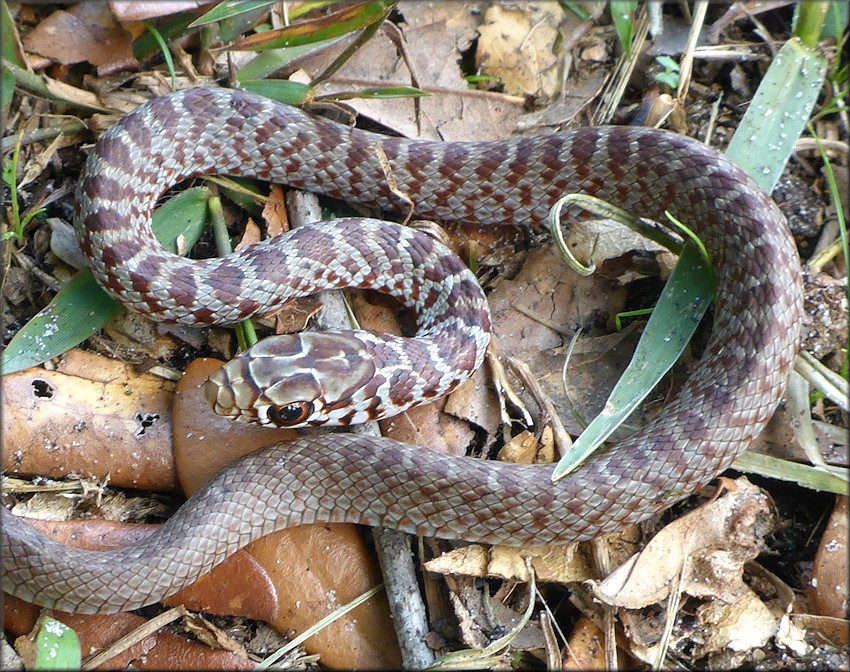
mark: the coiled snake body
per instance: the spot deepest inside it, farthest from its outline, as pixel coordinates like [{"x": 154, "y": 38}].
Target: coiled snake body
[{"x": 728, "y": 399}]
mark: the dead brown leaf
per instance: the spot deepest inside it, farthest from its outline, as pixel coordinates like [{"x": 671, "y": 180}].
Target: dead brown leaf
[
  {"x": 526, "y": 448},
  {"x": 435, "y": 34},
  {"x": 743, "y": 625},
  {"x": 274, "y": 212},
  {"x": 98, "y": 419},
  {"x": 534, "y": 316},
  {"x": 139, "y": 10},
  {"x": 85, "y": 32},
  {"x": 517, "y": 45},
  {"x": 250, "y": 236},
  {"x": 707, "y": 548},
  {"x": 828, "y": 588},
  {"x": 585, "y": 650}
]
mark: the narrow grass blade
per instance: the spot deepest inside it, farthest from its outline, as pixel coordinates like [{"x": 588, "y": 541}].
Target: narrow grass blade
[
  {"x": 169, "y": 29},
  {"x": 271, "y": 60},
  {"x": 388, "y": 92},
  {"x": 346, "y": 20},
  {"x": 81, "y": 307},
  {"x": 686, "y": 297},
  {"x": 8, "y": 54}
]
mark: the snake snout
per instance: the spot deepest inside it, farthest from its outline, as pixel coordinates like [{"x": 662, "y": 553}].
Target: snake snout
[{"x": 218, "y": 392}]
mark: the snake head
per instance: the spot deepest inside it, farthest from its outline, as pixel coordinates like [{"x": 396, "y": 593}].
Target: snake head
[{"x": 309, "y": 379}]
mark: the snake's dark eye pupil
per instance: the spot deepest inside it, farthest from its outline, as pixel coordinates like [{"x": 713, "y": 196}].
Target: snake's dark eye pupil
[{"x": 291, "y": 414}]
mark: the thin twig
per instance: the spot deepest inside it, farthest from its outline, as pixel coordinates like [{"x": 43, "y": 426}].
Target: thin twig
[
  {"x": 563, "y": 442},
  {"x": 408, "y": 610},
  {"x": 134, "y": 637},
  {"x": 69, "y": 127}
]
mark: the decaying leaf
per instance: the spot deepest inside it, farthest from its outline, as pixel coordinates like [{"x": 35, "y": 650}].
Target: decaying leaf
[
  {"x": 707, "y": 548},
  {"x": 517, "y": 45},
  {"x": 562, "y": 564},
  {"x": 745, "y": 624}
]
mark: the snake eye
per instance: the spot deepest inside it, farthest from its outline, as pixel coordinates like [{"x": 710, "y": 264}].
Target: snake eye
[{"x": 291, "y": 414}]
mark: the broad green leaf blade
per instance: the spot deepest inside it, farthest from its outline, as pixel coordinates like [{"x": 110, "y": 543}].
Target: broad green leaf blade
[
  {"x": 686, "y": 297},
  {"x": 81, "y": 307},
  {"x": 623, "y": 15},
  {"x": 229, "y": 9},
  {"x": 183, "y": 216},
  {"x": 778, "y": 113},
  {"x": 272, "y": 60},
  {"x": 77, "y": 311},
  {"x": 57, "y": 647},
  {"x": 346, "y": 20},
  {"x": 281, "y": 90}
]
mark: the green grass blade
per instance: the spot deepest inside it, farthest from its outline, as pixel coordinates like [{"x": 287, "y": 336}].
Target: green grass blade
[
  {"x": 809, "y": 18},
  {"x": 164, "y": 50},
  {"x": 835, "y": 480},
  {"x": 169, "y": 29},
  {"x": 8, "y": 54},
  {"x": 82, "y": 307},
  {"x": 378, "y": 93},
  {"x": 837, "y": 19},
  {"x": 272, "y": 60},
  {"x": 57, "y": 647},
  {"x": 686, "y": 297},
  {"x": 281, "y": 90},
  {"x": 346, "y": 20},
  {"x": 229, "y": 9}
]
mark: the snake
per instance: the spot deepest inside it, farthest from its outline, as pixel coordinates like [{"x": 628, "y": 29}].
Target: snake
[{"x": 344, "y": 377}]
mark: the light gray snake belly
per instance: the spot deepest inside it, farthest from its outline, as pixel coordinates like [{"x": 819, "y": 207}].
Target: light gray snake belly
[{"x": 349, "y": 377}]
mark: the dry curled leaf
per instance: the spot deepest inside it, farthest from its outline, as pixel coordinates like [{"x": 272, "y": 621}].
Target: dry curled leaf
[{"x": 707, "y": 548}]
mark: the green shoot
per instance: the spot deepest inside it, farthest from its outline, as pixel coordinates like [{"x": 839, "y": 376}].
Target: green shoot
[
  {"x": 670, "y": 76},
  {"x": 10, "y": 179},
  {"x": 166, "y": 52}
]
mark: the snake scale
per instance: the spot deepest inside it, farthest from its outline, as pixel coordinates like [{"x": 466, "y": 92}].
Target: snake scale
[{"x": 342, "y": 378}]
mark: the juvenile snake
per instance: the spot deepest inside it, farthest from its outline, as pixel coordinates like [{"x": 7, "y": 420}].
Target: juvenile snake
[{"x": 726, "y": 402}]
